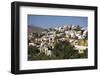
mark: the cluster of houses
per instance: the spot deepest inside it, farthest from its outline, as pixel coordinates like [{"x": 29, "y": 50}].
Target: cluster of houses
[{"x": 45, "y": 41}]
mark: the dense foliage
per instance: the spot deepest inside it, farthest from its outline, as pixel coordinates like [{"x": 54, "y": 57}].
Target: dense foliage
[{"x": 62, "y": 50}]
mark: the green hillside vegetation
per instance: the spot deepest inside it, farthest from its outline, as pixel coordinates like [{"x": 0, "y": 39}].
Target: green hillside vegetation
[{"x": 62, "y": 50}]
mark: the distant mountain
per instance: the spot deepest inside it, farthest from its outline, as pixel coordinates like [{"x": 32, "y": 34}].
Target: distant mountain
[{"x": 32, "y": 28}]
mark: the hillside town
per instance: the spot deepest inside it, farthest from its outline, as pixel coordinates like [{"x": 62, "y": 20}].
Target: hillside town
[{"x": 46, "y": 40}]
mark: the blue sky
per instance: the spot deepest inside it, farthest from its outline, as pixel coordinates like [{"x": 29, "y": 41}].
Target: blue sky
[{"x": 47, "y": 21}]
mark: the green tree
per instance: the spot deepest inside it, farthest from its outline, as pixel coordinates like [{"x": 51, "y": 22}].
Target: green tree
[
  {"x": 64, "y": 50},
  {"x": 32, "y": 50},
  {"x": 85, "y": 54}
]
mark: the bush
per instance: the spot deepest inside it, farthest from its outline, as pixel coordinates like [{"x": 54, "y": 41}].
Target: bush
[
  {"x": 85, "y": 54},
  {"x": 64, "y": 50},
  {"x": 32, "y": 50}
]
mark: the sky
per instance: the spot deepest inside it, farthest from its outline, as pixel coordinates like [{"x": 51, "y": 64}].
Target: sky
[{"x": 47, "y": 21}]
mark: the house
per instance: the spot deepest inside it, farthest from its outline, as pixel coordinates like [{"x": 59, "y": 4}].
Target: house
[
  {"x": 67, "y": 36},
  {"x": 80, "y": 48},
  {"x": 73, "y": 35},
  {"x": 49, "y": 53},
  {"x": 80, "y": 37},
  {"x": 32, "y": 44},
  {"x": 44, "y": 49}
]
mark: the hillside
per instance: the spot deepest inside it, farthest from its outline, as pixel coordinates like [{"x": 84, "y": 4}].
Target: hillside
[{"x": 32, "y": 28}]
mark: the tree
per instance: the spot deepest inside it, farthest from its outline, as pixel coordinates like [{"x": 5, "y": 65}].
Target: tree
[
  {"x": 64, "y": 50},
  {"x": 78, "y": 28},
  {"x": 86, "y": 37},
  {"x": 50, "y": 29},
  {"x": 85, "y": 54},
  {"x": 32, "y": 50},
  {"x": 34, "y": 34}
]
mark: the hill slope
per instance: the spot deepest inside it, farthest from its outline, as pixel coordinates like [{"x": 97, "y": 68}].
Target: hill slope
[{"x": 32, "y": 28}]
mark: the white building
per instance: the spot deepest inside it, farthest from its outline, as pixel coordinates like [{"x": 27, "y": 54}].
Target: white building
[
  {"x": 80, "y": 48},
  {"x": 32, "y": 44}
]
